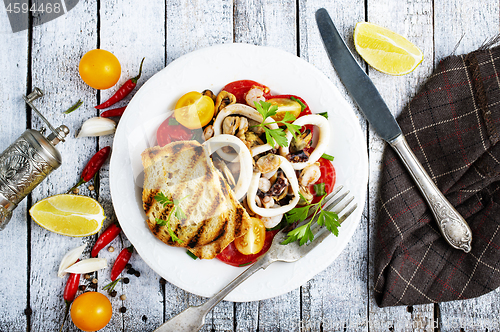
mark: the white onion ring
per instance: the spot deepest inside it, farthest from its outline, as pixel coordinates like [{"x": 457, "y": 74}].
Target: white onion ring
[
  {"x": 245, "y": 159},
  {"x": 324, "y": 137},
  {"x": 249, "y": 112},
  {"x": 287, "y": 168}
]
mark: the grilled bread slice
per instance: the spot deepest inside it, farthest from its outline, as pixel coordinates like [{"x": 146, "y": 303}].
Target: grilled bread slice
[{"x": 184, "y": 171}]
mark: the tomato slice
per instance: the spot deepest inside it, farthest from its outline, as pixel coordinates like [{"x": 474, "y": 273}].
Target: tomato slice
[
  {"x": 194, "y": 110},
  {"x": 168, "y": 133},
  {"x": 306, "y": 110},
  {"x": 328, "y": 177},
  {"x": 253, "y": 241},
  {"x": 240, "y": 88},
  {"x": 230, "y": 255},
  {"x": 285, "y": 105}
]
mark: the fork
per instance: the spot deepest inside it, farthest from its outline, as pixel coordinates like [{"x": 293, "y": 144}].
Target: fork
[{"x": 193, "y": 318}]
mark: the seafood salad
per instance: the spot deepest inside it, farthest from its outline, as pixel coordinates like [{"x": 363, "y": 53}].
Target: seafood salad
[{"x": 269, "y": 149}]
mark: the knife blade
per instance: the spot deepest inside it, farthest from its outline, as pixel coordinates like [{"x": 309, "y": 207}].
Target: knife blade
[{"x": 452, "y": 225}]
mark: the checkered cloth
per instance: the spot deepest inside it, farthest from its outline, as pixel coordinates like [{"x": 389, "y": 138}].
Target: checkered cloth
[{"x": 453, "y": 127}]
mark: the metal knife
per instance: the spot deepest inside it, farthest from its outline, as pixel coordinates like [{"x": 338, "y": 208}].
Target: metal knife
[{"x": 452, "y": 225}]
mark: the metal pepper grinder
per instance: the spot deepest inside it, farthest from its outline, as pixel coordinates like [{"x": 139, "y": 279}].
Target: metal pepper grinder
[{"x": 27, "y": 161}]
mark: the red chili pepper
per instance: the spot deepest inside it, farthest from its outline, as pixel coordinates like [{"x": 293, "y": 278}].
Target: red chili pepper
[
  {"x": 123, "y": 91},
  {"x": 105, "y": 238},
  {"x": 94, "y": 164},
  {"x": 113, "y": 112},
  {"x": 70, "y": 293},
  {"x": 121, "y": 261}
]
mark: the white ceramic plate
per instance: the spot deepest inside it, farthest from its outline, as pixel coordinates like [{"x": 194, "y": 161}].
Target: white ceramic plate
[{"x": 212, "y": 68}]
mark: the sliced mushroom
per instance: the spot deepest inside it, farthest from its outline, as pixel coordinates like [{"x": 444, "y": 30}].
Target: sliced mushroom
[
  {"x": 223, "y": 100},
  {"x": 300, "y": 142},
  {"x": 268, "y": 163},
  {"x": 309, "y": 175},
  {"x": 323, "y": 140}
]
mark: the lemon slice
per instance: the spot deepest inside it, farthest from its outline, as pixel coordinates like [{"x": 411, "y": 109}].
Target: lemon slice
[
  {"x": 386, "y": 50},
  {"x": 70, "y": 215}
]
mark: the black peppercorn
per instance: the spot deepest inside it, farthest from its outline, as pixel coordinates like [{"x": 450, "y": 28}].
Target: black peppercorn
[
  {"x": 128, "y": 266},
  {"x": 82, "y": 287},
  {"x": 137, "y": 274},
  {"x": 163, "y": 281},
  {"x": 123, "y": 310},
  {"x": 112, "y": 293},
  {"x": 126, "y": 280}
]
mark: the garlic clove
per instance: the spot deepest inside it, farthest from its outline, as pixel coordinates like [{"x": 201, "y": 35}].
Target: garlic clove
[
  {"x": 87, "y": 266},
  {"x": 97, "y": 127},
  {"x": 69, "y": 259}
]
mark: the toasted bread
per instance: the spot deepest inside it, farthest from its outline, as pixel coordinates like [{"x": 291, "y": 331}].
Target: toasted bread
[{"x": 184, "y": 171}]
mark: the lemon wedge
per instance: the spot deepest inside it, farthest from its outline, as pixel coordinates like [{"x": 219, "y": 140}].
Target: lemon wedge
[
  {"x": 386, "y": 50},
  {"x": 70, "y": 215}
]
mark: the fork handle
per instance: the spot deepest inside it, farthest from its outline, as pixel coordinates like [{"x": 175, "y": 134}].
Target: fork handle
[
  {"x": 193, "y": 318},
  {"x": 452, "y": 225}
]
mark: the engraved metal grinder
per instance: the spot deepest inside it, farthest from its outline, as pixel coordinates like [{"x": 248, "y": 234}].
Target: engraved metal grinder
[{"x": 27, "y": 162}]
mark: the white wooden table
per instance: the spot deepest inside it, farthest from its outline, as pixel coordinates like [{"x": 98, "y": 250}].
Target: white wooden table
[{"x": 47, "y": 56}]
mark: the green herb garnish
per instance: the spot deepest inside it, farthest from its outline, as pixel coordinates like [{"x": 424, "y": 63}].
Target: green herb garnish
[
  {"x": 276, "y": 136},
  {"x": 327, "y": 157},
  {"x": 179, "y": 214},
  {"x": 319, "y": 189},
  {"x": 74, "y": 107},
  {"x": 304, "y": 233},
  {"x": 325, "y": 114},
  {"x": 302, "y": 105},
  {"x": 190, "y": 254}
]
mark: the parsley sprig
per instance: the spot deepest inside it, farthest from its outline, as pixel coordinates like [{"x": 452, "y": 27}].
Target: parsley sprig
[
  {"x": 179, "y": 214},
  {"x": 304, "y": 233},
  {"x": 276, "y": 135}
]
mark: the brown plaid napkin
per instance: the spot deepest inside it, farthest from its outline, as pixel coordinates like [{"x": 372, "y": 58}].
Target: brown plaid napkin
[{"x": 453, "y": 126}]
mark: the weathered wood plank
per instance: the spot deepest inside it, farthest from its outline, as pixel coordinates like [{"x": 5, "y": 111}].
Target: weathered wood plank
[
  {"x": 412, "y": 19},
  {"x": 191, "y": 26},
  {"x": 336, "y": 299},
  {"x": 471, "y": 24},
  {"x": 13, "y": 240},
  {"x": 130, "y": 42},
  {"x": 268, "y": 23},
  {"x": 70, "y": 35}
]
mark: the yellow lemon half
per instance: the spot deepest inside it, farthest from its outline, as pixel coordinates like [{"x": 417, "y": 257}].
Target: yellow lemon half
[
  {"x": 70, "y": 215},
  {"x": 386, "y": 50}
]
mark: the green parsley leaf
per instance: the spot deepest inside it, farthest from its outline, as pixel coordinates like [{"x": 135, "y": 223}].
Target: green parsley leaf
[
  {"x": 327, "y": 157},
  {"x": 275, "y": 135},
  {"x": 160, "y": 222},
  {"x": 319, "y": 189},
  {"x": 330, "y": 220},
  {"x": 162, "y": 199},
  {"x": 302, "y": 105},
  {"x": 325, "y": 114},
  {"x": 297, "y": 214},
  {"x": 265, "y": 109}
]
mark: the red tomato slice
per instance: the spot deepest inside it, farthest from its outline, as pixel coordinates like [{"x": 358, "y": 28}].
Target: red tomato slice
[
  {"x": 230, "y": 255},
  {"x": 240, "y": 88},
  {"x": 171, "y": 133},
  {"x": 328, "y": 177}
]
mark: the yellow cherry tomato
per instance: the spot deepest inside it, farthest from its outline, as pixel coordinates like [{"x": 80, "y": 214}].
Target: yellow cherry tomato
[
  {"x": 194, "y": 110},
  {"x": 91, "y": 311},
  {"x": 100, "y": 69},
  {"x": 253, "y": 241},
  {"x": 285, "y": 105}
]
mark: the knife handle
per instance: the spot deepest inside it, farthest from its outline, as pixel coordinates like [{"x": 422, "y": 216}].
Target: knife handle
[{"x": 452, "y": 225}]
